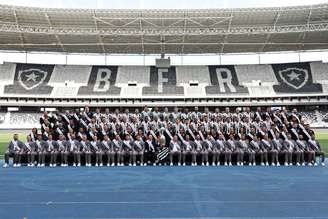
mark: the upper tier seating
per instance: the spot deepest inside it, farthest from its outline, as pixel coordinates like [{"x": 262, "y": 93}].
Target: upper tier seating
[
  {"x": 177, "y": 81},
  {"x": 77, "y": 74},
  {"x": 320, "y": 72},
  {"x": 249, "y": 73}
]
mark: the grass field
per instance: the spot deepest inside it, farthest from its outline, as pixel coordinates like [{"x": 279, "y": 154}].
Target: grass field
[{"x": 5, "y": 137}]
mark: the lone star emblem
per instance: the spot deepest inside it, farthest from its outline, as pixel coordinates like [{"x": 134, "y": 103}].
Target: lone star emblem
[
  {"x": 294, "y": 77},
  {"x": 31, "y": 78}
]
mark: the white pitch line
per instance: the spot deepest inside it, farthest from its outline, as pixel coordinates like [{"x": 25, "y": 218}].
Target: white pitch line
[
  {"x": 156, "y": 202},
  {"x": 268, "y": 217}
]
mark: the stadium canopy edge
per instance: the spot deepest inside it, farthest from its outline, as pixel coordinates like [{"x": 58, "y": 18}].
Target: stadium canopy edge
[{"x": 176, "y": 59}]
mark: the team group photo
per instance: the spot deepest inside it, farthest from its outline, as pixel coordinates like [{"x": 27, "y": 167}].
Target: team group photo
[
  {"x": 154, "y": 137},
  {"x": 163, "y": 109}
]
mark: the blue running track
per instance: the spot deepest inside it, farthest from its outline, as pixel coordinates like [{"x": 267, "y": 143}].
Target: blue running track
[{"x": 164, "y": 192}]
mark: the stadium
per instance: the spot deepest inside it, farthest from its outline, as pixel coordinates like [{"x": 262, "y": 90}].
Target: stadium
[{"x": 163, "y": 109}]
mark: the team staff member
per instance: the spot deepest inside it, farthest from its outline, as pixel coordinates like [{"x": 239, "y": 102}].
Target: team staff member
[{"x": 14, "y": 149}]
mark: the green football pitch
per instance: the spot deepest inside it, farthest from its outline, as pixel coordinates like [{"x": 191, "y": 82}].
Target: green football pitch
[{"x": 5, "y": 137}]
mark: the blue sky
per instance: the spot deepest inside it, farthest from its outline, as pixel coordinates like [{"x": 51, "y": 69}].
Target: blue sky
[{"x": 158, "y": 4}]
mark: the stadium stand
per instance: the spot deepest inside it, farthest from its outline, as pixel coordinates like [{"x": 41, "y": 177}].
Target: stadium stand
[
  {"x": 102, "y": 81},
  {"x": 249, "y": 73},
  {"x": 162, "y": 82},
  {"x": 68, "y": 90},
  {"x": 19, "y": 120},
  {"x": 7, "y": 73},
  {"x": 2, "y": 118},
  {"x": 133, "y": 73},
  {"x": 318, "y": 119},
  {"x": 319, "y": 72},
  {"x": 271, "y": 81},
  {"x": 131, "y": 79},
  {"x": 31, "y": 79}
]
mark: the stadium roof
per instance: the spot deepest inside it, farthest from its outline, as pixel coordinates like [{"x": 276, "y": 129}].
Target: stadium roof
[{"x": 171, "y": 31}]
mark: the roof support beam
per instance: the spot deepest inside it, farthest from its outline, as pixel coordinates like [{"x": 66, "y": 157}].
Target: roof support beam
[
  {"x": 105, "y": 22},
  {"x": 226, "y": 36},
  {"x": 269, "y": 34},
  {"x": 148, "y": 22},
  {"x": 21, "y": 38},
  {"x": 303, "y": 34},
  {"x": 142, "y": 37},
  {"x": 56, "y": 36},
  {"x": 98, "y": 36},
  {"x": 221, "y": 20},
  {"x": 184, "y": 36}
]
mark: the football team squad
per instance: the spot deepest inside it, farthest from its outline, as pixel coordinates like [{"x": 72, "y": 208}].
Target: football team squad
[{"x": 81, "y": 137}]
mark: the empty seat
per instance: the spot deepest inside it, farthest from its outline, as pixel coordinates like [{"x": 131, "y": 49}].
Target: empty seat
[
  {"x": 76, "y": 73},
  {"x": 319, "y": 71},
  {"x": 7, "y": 73},
  {"x": 140, "y": 74},
  {"x": 64, "y": 91},
  {"x": 193, "y": 73},
  {"x": 131, "y": 92},
  {"x": 248, "y": 73}
]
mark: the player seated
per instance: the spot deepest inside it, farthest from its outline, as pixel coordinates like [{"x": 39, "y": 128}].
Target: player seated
[
  {"x": 316, "y": 147},
  {"x": 63, "y": 147},
  {"x": 127, "y": 149},
  {"x": 15, "y": 149},
  {"x": 175, "y": 150},
  {"x": 211, "y": 150},
  {"x": 40, "y": 150},
  {"x": 96, "y": 149},
  {"x": 107, "y": 148},
  {"x": 138, "y": 150},
  {"x": 188, "y": 149},
  {"x": 86, "y": 150},
  {"x": 199, "y": 149},
  {"x": 29, "y": 151}
]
